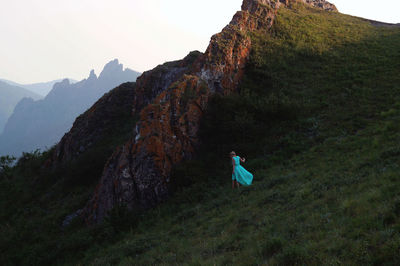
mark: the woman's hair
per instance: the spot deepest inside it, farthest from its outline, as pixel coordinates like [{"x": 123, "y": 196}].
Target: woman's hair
[{"x": 233, "y": 153}]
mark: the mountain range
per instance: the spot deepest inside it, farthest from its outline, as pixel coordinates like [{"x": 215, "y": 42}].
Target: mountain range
[
  {"x": 41, "y": 88},
  {"x": 40, "y": 124}
]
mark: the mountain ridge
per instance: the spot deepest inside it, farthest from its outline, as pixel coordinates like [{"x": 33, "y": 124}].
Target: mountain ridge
[
  {"x": 10, "y": 95},
  {"x": 40, "y": 124},
  {"x": 41, "y": 88}
]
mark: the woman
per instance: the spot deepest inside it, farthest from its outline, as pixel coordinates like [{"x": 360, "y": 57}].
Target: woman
[{"x": 239, "y": 174}]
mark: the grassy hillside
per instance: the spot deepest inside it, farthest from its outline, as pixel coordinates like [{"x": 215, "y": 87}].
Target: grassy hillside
[{"x": 318, "y": 119}]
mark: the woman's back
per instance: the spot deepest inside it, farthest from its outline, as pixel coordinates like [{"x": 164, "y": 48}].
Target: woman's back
[{"x": 237, "y": 160}]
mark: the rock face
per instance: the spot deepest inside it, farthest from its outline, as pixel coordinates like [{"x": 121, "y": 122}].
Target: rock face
[
  {"x": 321, "y": 4},
  {"x": 171, "y": 100}
]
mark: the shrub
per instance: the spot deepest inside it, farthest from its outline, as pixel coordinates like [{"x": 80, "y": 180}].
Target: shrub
[{"x": 5, "y": 165}]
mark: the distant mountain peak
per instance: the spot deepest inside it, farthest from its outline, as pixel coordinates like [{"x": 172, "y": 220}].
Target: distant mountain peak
[
  {"x": 62, "y": 84},
  {"x": 65, "y": 81},
  {"x": 92, "y": 75},
  {"x": 111, "y": 68}
]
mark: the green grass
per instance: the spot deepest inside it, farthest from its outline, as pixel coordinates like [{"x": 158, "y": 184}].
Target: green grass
[
  {"x": 318, "y": 118},
  {"x": 34, "y": 201}
]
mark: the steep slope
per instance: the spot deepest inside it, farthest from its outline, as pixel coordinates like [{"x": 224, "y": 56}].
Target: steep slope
[
  {"x": 316, "y": 113},
  {"x": 9, "y": 97},
  {"x": 40, "y": 124}
]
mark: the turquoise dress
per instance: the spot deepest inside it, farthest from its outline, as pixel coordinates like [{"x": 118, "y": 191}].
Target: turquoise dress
[{"x": 240, "y": 174}]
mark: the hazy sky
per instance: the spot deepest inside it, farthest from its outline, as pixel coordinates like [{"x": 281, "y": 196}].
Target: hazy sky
[{"x": 42, "y": 40}]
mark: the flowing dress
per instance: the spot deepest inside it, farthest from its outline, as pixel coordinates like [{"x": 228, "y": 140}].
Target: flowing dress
[{"x": 240, "y": 174}]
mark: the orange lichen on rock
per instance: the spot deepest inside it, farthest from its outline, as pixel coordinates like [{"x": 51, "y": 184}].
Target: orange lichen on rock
[
  {"x": 165, "y": 135},
  {"x": 168, "y": 128}
]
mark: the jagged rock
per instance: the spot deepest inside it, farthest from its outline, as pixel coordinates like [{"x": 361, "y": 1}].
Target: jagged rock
[
  {"x": 228, "y": 52},
  {"x": 92, "y": 75},
  {"x": 171, "y": 100},
  {"x": 137, "y": 175},
  {"x": 112, "y": 67},
  {"x": 321, "y": 4},
  {"x": 151, "y": 83}
]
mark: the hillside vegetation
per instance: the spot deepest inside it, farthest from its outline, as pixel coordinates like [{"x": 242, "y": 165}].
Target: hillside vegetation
[{"x": 317, "y": 118}]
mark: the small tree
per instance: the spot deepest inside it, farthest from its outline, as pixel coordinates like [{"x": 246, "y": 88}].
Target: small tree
[{"x": 5, "y": 164}]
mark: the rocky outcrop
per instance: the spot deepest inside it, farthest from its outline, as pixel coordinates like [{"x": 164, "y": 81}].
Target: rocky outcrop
[
  {"x": 137, "y": 175},
  {"x": 153, "y": 82},
  {"x": 227, "y": 54},
  {"x": 322, "y": 4},
  {"x": 171, "y": 105}
]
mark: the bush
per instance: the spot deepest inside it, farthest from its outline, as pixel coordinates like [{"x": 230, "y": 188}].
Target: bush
[{"x": 5, "y": 165}]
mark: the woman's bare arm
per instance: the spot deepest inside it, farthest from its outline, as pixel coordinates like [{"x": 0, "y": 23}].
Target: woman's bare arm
[
  {"x": 233, "y": 166},
  {"x": 242, "y": 160}
]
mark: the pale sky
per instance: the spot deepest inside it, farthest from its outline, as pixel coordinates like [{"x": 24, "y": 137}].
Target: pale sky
[{"x": 43, "y": 40}]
